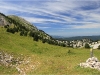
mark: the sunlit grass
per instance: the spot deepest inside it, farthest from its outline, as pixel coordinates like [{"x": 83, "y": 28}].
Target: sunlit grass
[{"x": 53, "y": 59}]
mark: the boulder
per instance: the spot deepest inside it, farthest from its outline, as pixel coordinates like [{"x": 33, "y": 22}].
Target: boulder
[{"x": 91, "y": 63}]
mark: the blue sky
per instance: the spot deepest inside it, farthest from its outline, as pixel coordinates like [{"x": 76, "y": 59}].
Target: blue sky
[{"x": 58, "y": 17}]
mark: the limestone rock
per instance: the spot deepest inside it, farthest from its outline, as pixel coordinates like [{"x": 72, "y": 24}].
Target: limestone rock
[
  {"x": 22, "y": 64},
  {"x": 91, "y": 63}
]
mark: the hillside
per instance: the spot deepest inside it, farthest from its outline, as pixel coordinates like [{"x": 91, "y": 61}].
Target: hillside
[
  {"x": 25, "y": 55},
  {"x": 15, "y": 24},
  {"x": 23, "y": 22}
]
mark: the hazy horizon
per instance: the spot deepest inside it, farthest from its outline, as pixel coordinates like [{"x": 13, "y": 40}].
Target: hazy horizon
[{"x": 73, "y": 36}]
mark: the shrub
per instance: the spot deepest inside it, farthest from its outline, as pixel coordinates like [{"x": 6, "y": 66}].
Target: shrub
[
  {"x": 11, "y": 30},
  {"x": 87, "y": 45},
  {"x": 21, "y": 33},
  {"x": 99, "y": 47},
  {"x": 69, "y": 51},
  {"x": 36, "y": 38},
  {"x": 31, "y": 34},
  {"x": 43, "y": 40},
  {"x": 6, "y": 26},
  {"x": 25, "y": 33}
]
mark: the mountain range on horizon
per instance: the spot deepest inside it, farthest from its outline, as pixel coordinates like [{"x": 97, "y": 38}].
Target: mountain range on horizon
[{"x": 94, "y": 37}]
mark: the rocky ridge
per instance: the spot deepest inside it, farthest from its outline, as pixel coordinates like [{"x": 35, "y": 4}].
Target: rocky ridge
[{"x": 3, "y": 21}]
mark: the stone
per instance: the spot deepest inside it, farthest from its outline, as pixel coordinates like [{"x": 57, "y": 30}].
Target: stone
[
  {"x": 91, "y": 63},
  {"x": 84, "y": 65},
  {"x": 88, "y": 60},
  {"x": 94, "y": 59}
]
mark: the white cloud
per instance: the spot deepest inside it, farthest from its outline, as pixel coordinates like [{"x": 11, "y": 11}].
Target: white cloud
[
  {"x": 41, "y": 20},
  {"x": 41, "y": 27},
  {"x": 54, "y": 9},
  {"x": 87, "y": 26},
  {"x": 34, "y": 10},
  {"x": 95, "y": 17},
  {"x": 59, "y": 5}
]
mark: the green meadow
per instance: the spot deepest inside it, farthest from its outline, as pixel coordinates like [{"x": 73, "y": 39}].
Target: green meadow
[{"x": 51, "y": 59}]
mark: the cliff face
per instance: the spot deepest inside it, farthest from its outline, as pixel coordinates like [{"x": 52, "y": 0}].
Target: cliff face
[{"x": 3, "y": 22}]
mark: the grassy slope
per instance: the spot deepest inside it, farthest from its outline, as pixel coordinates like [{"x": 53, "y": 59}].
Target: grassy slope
[{"x": 52, "y": 59}]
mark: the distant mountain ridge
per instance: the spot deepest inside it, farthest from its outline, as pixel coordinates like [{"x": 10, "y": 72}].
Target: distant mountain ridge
[{"x": 94, "y": 38}]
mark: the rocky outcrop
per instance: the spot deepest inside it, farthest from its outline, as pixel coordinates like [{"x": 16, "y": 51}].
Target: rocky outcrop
[
  {"x": 95, "y": 46},
  {"x": 3, "y": 22},
  {"x": 6, "y": 59},
  {"x": 91, "y": 63},
  {"x": 22, "y": 65}
]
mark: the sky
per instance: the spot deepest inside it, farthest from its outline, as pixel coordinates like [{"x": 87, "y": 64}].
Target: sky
[{"x": 58, "y": 17}]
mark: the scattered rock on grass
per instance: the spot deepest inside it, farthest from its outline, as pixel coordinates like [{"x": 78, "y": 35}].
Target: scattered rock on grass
[
  {"x": 91, "y": 63},
  {"x": 22, "y": 64}
]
